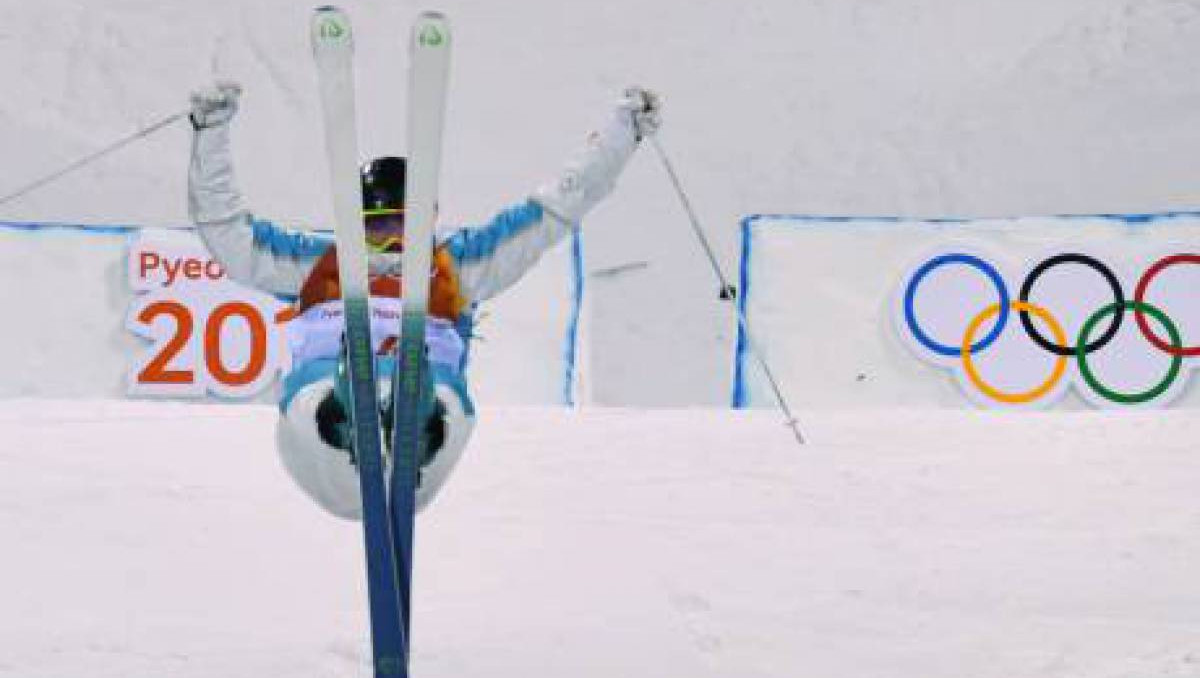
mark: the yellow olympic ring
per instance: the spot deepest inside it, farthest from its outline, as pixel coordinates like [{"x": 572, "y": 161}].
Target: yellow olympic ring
[{"x": 1060, "y": 364}]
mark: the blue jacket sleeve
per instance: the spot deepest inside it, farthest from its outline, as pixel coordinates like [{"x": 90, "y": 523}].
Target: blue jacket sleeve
[
  {"x": 495, "y": 256},
  {"x": 492, "y": 257}
]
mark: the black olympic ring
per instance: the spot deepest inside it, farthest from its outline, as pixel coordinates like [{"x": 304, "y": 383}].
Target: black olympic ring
[{"x": 1092, "y": 263}]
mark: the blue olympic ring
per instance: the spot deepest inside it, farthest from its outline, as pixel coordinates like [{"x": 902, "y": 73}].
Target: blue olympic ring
[{"x": 910, "y": 294}]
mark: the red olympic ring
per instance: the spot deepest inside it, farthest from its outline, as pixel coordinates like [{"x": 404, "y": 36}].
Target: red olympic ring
[{"x": 1140, "y": 294}]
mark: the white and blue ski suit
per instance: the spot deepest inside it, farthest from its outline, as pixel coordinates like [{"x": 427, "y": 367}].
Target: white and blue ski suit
[{"x": 483, "y": 261}]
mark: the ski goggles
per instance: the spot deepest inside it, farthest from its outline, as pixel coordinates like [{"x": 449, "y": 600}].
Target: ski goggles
[
  {"x": 384, "y": 212},
  {"x": 392, "y": 219},
  {"x": 389, "y": 211},
  {"x": 388, "y": 244},
  {"x": 385, "y": 228},
  {"x": 384, "y": 220}
]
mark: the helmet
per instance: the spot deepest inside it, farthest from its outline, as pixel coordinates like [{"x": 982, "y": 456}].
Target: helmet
[{"x": 383, "y": 186}]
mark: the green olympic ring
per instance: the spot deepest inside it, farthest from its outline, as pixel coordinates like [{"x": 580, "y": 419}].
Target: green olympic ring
[{"x": 1153, "y": 392}]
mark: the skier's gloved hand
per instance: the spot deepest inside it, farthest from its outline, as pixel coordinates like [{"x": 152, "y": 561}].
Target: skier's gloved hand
[
  {"x": 646, "y": 108},
  {"x": 215, "y": 104}
]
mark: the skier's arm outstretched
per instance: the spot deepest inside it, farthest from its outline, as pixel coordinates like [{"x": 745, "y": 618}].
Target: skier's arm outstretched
[
  {"x": 490, "y": 258},
  {"x": 253, "y": 252},
  {"x": 493, "y": 257}
]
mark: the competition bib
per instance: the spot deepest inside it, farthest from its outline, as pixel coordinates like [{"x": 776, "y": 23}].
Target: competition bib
[{"x": 317, "y": 333}]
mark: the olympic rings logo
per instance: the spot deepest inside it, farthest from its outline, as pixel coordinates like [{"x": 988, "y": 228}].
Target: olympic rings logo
[{"x": 1072, "y": 353}]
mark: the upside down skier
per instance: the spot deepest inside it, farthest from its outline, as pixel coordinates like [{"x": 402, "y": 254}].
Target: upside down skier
[{"x": 470, "y": 266}]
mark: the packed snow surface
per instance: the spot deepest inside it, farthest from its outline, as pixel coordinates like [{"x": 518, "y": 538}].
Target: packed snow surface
[{"x": 149, "y": 540}]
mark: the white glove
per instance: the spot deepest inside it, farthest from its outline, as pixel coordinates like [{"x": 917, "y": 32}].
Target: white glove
[
  {"x": 646, "y": 109},
  {"x": 215, "y": 104}
]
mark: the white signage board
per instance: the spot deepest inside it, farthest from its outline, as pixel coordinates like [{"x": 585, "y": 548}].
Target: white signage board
[
  {"x": 207, "y": 335},
  {"x": 1030, "y": 313}
]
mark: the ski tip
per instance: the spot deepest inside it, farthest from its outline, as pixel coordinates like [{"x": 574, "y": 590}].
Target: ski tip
[
  {"x": 434, "y": 19},
  {"x": 330, "y": 25},
  {"x": 431, "y": 30},
  {"x": 327, "y": 10}
]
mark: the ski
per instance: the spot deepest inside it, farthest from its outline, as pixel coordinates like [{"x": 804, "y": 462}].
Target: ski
[
  {"x": 333, "y": 51},
  {"x": 429, "y": 68}
]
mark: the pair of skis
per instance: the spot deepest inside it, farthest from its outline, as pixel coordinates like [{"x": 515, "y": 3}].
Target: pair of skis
[{"x": 388, "y": 508}]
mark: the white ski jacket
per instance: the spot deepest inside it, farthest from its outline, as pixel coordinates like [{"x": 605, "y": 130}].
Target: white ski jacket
[
  {"x": 489, "y": 259},
  {"x": 486, "y": 259}
]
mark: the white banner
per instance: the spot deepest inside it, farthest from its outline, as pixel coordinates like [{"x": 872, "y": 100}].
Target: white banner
[
  {"x": 207, "y": 334},
  {"x": 125, "y": 310},
  {"x": 1026, "y": 313}
]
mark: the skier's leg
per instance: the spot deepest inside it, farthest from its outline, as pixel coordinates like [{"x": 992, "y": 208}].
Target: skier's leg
[
  {"x": 332, "y": 422},
  {"x": 447, "y": 429},
  {"x": 434, "y": 429},
  {"x": 312, "y": 437}
]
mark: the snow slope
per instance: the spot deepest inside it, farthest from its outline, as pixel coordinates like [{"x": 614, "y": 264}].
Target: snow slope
[{"x": 147, "y": 540}]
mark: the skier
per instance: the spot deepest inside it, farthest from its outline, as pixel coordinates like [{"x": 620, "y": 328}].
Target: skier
[{"x": 471, "y": 265}]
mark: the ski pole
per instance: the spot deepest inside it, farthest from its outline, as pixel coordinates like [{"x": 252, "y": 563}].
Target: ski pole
[
  {"x": 96, "y": 155},
  {"x": 790, "y": 419}
]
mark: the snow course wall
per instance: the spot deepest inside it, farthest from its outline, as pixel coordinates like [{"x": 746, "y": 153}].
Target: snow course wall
[
  {"x": 920, "y": 108},
  {"x": 76, "y": 301},
  {"x": 872, "y": 312}
]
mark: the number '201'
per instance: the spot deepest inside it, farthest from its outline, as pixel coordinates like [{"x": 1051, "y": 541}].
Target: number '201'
[{"x": 192, "y": 351}]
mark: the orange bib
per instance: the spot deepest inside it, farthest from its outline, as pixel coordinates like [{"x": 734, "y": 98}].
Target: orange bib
[{"x": 445, "y": 298}]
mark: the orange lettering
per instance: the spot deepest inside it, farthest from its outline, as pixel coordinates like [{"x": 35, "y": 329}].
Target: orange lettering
[
  {"x": 191, "y": 269},
  {"x": 213, "y": 269},
  {"x": 147, "y": 261},
  {"x": 212, "y": 344},
  {"x": 156, "y": 371}
]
